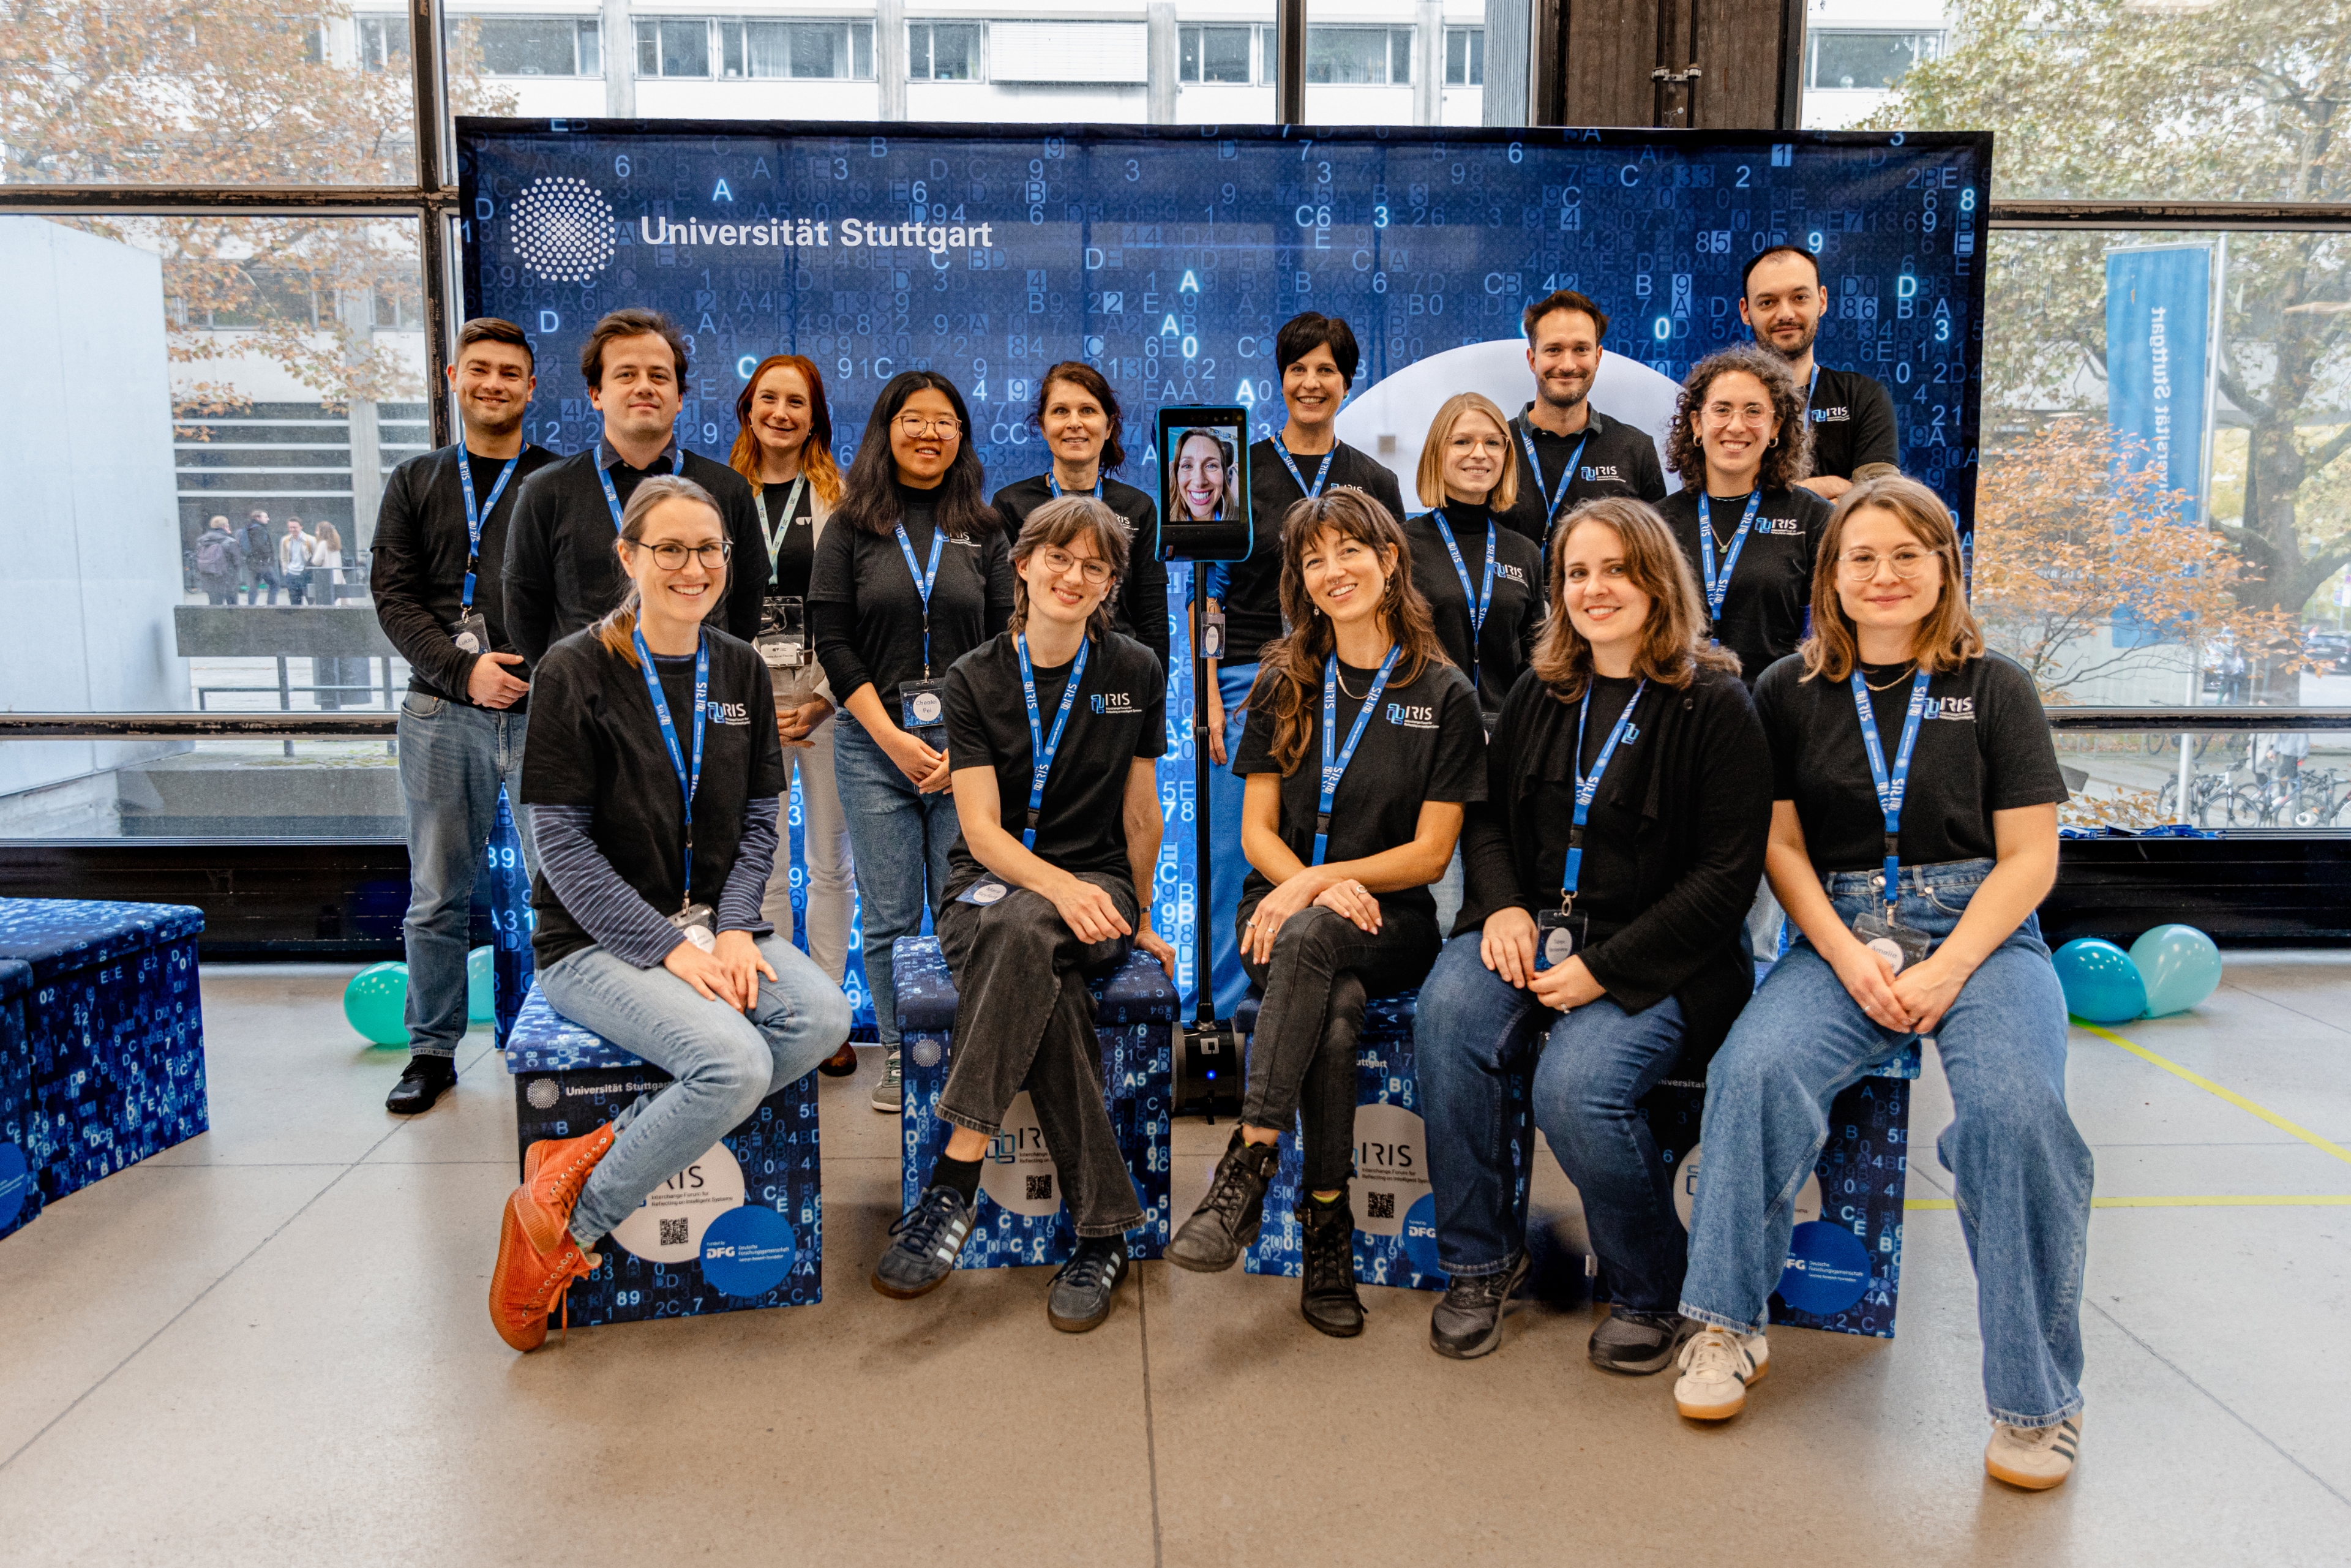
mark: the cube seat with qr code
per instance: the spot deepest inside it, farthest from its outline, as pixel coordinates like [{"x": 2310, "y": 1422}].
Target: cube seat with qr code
[
  {"x": 740, "y": 1227},
  {"x": 109, "y": 1066},
  {"x": 1021, "y": 1219}
]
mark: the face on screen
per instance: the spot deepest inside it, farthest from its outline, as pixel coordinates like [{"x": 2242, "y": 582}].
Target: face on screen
[{"x": 1200, "y": 476}]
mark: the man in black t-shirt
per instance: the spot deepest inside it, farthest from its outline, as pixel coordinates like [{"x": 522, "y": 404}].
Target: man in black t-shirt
[
  {"x": 1852, "y": 415},
  {"x": 562, "y": 571},
  {"x": 438, "y": 594},
  {"x": 1607, "y": 456}
]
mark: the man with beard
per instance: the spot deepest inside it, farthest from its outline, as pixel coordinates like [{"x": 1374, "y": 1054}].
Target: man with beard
[
  {"x": 1850, "y": 414},
  {"x": 1568, "y": 451}
]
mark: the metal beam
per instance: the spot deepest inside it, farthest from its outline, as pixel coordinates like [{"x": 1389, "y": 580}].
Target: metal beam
[
  {"x": 2196, "y": 720},
  {"x": 1290, "y": 62},
  {"x": 197, "y": 725},
  {"x": 2083, "y": 214},
  {"x": 251, "y": 201}
]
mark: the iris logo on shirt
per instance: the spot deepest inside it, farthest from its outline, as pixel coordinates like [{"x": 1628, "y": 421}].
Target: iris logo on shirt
[
  {"x": 1785, "y": 527},
  {"x": 1594, "y": 474},
  {"x": 729, "y": 713},
  {"x": 1113, "y": 703},
  {"x": 1514, "y": 573},
  {"x": 1412, "y": 717},
  {"x": 1962, "y": 709},
  {"x": 1824, "y": 415},
  {"x": 964, "y": 540}
]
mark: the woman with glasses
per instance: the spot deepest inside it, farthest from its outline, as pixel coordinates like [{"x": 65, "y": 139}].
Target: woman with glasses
[
  {"x": 911, "y": 575},
  {"x": 1077, "y": 415},
  {"x": 1914, "y": 830},
  {"x": 1483, "y": 583},
  {"x": 1609, "y": 867},
  {"x": 1055, "y": 728},
  {"x": 1362, "y": 747},
  {"x": 783, "y": 448},
  {"x": 652, "y": 776}
]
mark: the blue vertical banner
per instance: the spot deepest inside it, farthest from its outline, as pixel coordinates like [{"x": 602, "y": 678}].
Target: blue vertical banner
[{"x": 2158, "y": 311}]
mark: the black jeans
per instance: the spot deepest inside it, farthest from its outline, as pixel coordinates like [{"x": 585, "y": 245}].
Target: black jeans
[
  {"x": 1302, "y": 1058},
  {"x": 1024, "y": 1019}
]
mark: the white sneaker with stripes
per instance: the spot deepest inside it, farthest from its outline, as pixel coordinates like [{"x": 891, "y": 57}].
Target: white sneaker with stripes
[{"x": 2033, "y": 1458}]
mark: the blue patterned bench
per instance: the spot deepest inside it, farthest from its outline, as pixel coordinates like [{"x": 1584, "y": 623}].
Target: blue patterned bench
[
  {"x": 113, "y": 1034},
  {"x": 741, "y": 1228},
  {"x": 1859, "y": 1178},
  {"x": 20, "y": 1181},
  {"x": 1022, "y": 1221}
]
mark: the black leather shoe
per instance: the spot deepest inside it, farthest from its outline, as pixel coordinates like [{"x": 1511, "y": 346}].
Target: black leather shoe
[
  {"x": 1327, "y": 1292},
  {"x": 424, "y": 1082},
  {"x": 1467, "y": 1322},
  {"x": 1228, "y": 1218}
]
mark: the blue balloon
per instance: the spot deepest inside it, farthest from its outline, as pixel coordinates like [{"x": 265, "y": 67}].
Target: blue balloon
[
  {"x": 2101, "y": 983},
  {"x": 376, "y": 1003},
  {"x": 2180, "y": 967},
  {"x": 481, "y": 983}
]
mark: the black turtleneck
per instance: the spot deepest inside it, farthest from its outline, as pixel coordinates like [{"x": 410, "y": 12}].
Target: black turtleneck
[{"x": 1513, "y": 613}]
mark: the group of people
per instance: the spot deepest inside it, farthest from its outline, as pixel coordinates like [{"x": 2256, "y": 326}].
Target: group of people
[
  {"x": 1631, "y": 729},
  {"x": 255, "y": 561}
]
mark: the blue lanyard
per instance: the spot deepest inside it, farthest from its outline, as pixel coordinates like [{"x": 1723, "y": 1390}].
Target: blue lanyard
[
  {"x": 1053, "y": 483},
  {"x": 1042, "y": 746},
  {"x": 687, "y": 783},
  {"x": 1890, "y": 789},
  {"x": 923, "y": 580},
  {"x": 1480, "y": 601},
  {"x": 1313, "y": 491},
  {"x": 1588, "y": 790},
  {"x": 613, "y": 497},
  {"x": 1553, "y": 502},
  {"x": 775, "y": 536},
  {"x": 474, "y": 514},
  {"x": 1811, "y": 387},
  {"x": 1335, "y": 768},
  {"x": 1718, "y": 588}
]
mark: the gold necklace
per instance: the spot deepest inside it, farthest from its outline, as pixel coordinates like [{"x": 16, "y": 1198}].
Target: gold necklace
[
  {"x": 1892, "y": 683},
  {"x": 1345, "y": 692}
]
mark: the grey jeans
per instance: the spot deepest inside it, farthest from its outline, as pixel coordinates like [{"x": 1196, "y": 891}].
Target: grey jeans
[{"x": 1024, "y": 1020}]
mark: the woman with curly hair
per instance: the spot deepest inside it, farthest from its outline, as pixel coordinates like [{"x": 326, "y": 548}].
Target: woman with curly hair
[{"x": 1363, "y": 744}]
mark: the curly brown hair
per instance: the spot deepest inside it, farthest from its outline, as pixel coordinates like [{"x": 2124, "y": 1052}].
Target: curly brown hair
[
  {"x": 1674, "y": 642},
  {"x": 1790, "y": 457},
  {"x": 1290, "y": 670}
]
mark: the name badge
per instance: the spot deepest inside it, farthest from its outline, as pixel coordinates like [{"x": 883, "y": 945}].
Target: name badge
[
  {"x": 1212, "y": 634},
  {"x": 782, "y": 640},
  {"x": 983, "y": 893},
  {"x": 471, "y": 632},
  {"x": 923, "y": 704},
  {"x": 1559, "y": 936},
  {"x": 697, "y": 921},
  {"x": 1897, "y": 943}
]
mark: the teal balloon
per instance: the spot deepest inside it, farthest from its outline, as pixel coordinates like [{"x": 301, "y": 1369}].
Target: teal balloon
[
  {"x": 2101, "y": 983},
  {"x": 2178, "y": 965},
  {"x": 376, "y": 1002},
  {"x": 481, "y": 985}
]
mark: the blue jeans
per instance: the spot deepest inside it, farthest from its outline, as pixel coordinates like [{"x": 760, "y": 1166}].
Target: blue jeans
[
  {"x": 1227, "y": 867},
  {"x": 2024, "y": 1172},
  {"x": 724, "y": 1061},
  {"x": 898, "y": 840},
  {"x": 1473, "y": 1033},
  {"x": 452, "y": 759}
]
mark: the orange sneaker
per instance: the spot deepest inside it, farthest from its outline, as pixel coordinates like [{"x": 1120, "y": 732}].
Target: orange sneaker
[
  {"x": 529, "y": 1283},
  {"x": 553, "y": 1172}
]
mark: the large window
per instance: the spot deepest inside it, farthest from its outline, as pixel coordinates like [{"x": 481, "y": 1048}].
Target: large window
[
  {"x": 1358, "y": 57},
  {"x": 539, "y": 47},
  {"x": 1465, "y": 56},
  {"x": 1215, "y": 54},
  {"x": 946, "y": 51},
  {"x": 1842, "y": 60},
  {"x": 674, "y": 47},
  {"x": 806, "y": 51}
]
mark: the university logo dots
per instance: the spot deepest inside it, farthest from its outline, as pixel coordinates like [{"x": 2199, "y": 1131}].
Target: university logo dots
[{"x": 562, "y": 229}]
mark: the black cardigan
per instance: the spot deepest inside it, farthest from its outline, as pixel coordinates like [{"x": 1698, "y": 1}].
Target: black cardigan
[{"x": 1703, "y": 781}]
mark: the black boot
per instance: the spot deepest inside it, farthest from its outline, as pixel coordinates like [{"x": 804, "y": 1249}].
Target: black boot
[
  {"x": 1228, "y": 1218},
  {"x": 1327, "y": 1293}
]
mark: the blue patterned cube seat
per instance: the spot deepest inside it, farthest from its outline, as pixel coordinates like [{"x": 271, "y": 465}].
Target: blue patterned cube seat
[
  {"x": 1022, "y": 1219},
  {"x": 20, "y": 1183},
  {"x": 113, "y": 1034},
  {"x": 740, "y": 1227}
]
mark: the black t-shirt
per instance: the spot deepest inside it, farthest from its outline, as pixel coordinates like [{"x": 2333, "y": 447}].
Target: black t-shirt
[
  {"x": 795, "y": 553},
  {"x": 1513, "y": 615},
  {"x": 866, "y": 612},
  {"x": 1763, "y": 610},
  {"x": 1852, "y": 423},
  {"x": 1618, "y": 460},
  {"x": 1121, "y": 713},
  {"x": 1424, "y": 742},
  {"x": 1141, "y": 609},
  {"x": 1252, "y": 597},
  {"x": 595, "y": 743},
  {"x": 1607, "y": 881},
  {"x": 1983, "y": 746}
]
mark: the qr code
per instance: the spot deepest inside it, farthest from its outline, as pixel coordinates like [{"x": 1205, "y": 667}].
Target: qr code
[
  {"x": 673, "y": 1232},
  {"x": 1040, "y": 1188},
  {"x": 1379, "y": 1206}
]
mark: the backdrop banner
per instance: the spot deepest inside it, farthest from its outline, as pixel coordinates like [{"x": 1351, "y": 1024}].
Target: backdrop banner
[
  {"x": 2158, "y": 308},
  {"x": 1167, "y": 257}
]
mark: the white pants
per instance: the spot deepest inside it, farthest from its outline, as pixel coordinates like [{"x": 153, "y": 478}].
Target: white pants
[{"x": 826, "y": 835}]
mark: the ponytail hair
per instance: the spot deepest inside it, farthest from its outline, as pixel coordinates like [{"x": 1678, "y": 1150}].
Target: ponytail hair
[{"x": 618, "y": 630}]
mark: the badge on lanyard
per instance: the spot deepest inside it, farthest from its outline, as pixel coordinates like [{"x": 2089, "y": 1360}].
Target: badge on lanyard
[
  {"x": 1885, "y": 935},
  {"x": 696, "y": 920},
  {"x": 983, "y": 893},
  {"x": 1212, "y": 634},
  {"x": 1560, "y": 932},
  {"x": 922, "y": 704},
  {"x": 472, "y": 631},
  {"x": 1335, "y": 768}
]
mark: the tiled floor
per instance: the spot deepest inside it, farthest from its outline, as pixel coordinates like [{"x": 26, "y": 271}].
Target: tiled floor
[{"x": 268, "y": 1346}]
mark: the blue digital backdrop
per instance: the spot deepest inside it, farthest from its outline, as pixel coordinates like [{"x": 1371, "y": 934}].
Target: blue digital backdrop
[{"x": 1168, "y": 257}]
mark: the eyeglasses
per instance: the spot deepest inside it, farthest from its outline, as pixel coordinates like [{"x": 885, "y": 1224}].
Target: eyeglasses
[
  {"x": 1861, "y": 564},
  {"x": 1096, "y": 570},
  {"x": 671, "y": 556},
  {"x": 915, "y": 425}
]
